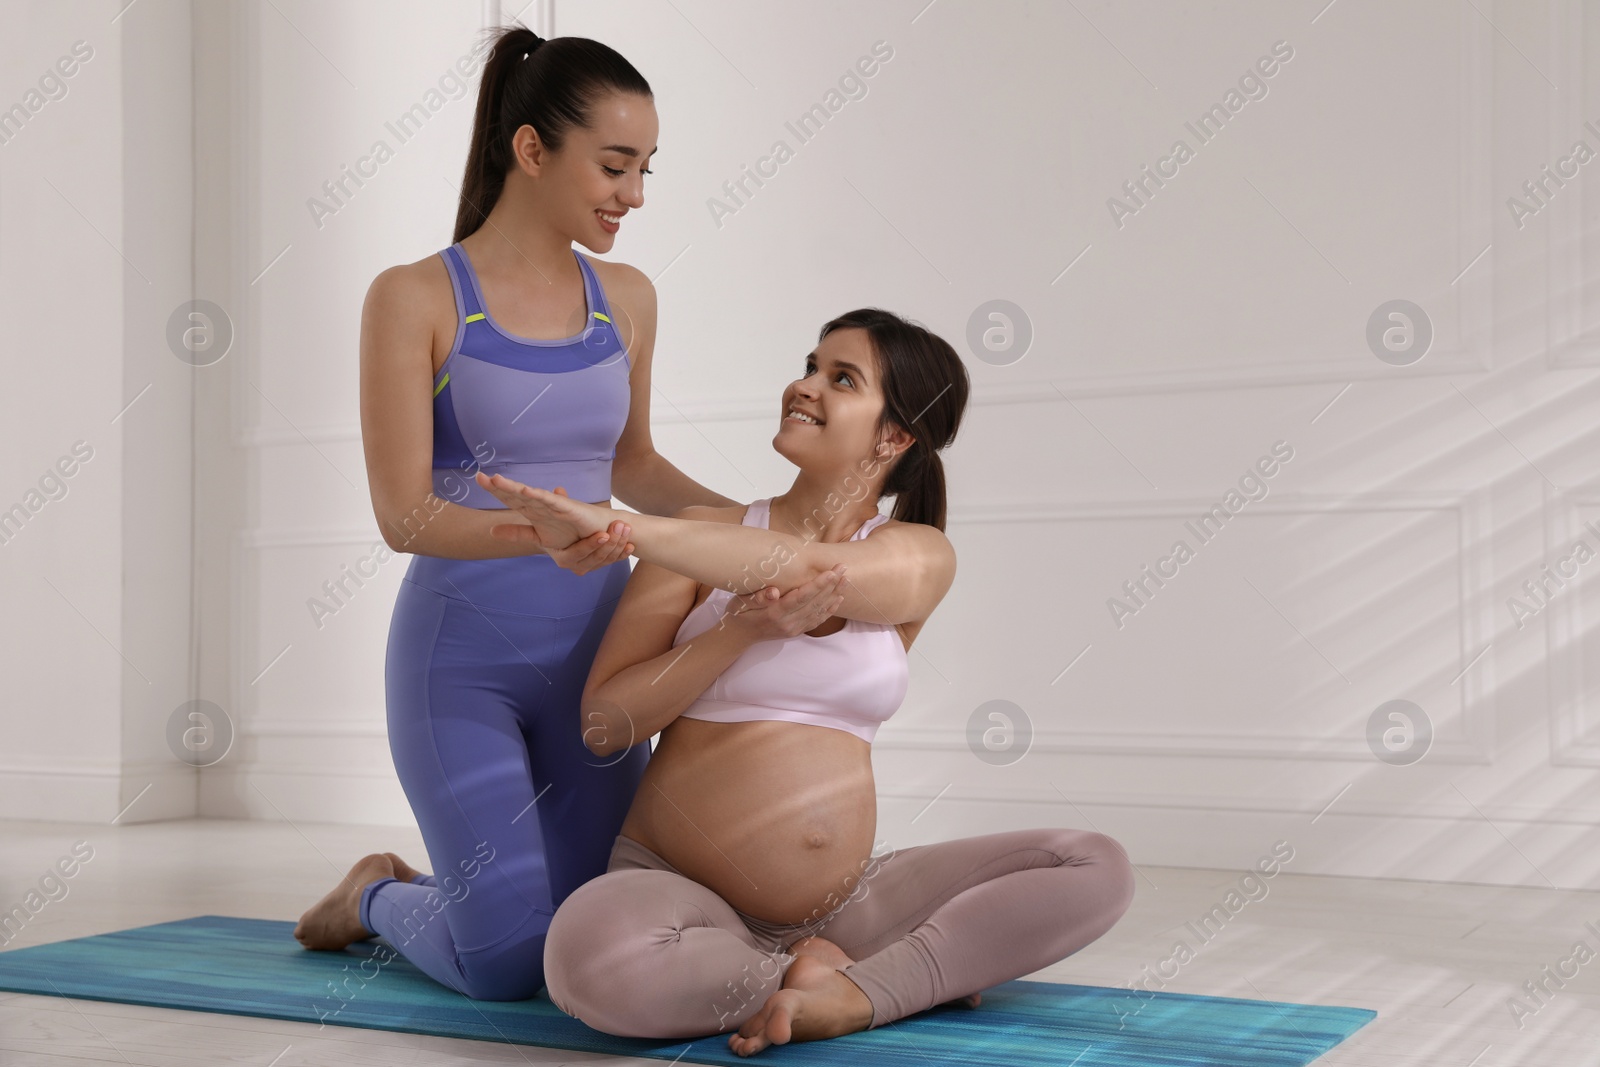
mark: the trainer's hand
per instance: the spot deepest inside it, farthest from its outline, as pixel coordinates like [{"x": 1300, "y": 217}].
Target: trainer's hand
[
  {"x": 595, "y": 551},
  {"x": 766, "y": 616}
]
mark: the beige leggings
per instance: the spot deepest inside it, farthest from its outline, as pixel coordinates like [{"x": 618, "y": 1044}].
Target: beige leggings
[{"x": 643, "y": 951}]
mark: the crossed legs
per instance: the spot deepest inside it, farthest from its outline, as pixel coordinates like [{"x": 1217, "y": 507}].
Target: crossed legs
[{"x": 650, "y": 953}]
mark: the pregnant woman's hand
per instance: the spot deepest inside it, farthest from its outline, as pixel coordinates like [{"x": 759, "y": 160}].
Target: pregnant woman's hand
[{"x": 765, "y": 616}]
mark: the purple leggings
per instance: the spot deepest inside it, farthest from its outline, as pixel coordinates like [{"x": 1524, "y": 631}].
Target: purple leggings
[{"x": 644, "y": 951}]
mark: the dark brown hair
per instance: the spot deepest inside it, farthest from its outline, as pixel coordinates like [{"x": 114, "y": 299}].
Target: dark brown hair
[
  {"x": 925, "y": 391},
  {"x": 552, "y": 90}
]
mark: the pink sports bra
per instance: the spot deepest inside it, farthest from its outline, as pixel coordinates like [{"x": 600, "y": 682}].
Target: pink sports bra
[{"x": 852, "y": 679}]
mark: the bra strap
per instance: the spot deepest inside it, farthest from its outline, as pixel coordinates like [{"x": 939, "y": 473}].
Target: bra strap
[
  {"x": 871, "y": 524},
  {"x": 464, "y": 283},
  {"x": 596, "y": 293}
]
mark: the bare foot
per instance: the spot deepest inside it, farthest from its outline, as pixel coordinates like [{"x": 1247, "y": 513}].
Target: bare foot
[
  {"x": 335, "y": 920},
  {"x": 402, "y": 870},
  {"x": 816, "y": 1001}
]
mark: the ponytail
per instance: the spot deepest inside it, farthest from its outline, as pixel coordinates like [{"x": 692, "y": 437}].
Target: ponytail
[
  {"x": 917, "y": 484},
  {"x": 925, "y": 391},
  {"x": 529, "y": 81}
]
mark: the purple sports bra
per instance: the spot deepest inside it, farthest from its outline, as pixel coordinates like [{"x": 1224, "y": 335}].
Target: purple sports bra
[
  {"x": 852, "y": 680},
  {"x": 545, "y": 413}
]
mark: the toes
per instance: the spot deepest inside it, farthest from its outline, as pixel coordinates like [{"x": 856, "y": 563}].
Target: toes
[
  {"x": 751, "y": 1037},
  {"x": 749, "y": 1044},
  {"x": 745, "y": 1046}
]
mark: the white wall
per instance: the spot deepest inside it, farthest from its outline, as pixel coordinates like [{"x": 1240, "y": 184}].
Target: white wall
[
  {"x": 295, "y": 93},
  {"x": 94, "y": 258},
  {"x": 1169, "y": 352},
  {"x": 1221, "y": 318}
]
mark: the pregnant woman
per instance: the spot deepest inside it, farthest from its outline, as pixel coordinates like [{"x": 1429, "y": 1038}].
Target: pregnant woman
[
  {"x": 508, "y": 352},
  {"x": 751, "y": 835}
]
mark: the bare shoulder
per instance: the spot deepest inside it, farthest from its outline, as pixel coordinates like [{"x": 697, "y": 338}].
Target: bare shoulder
[
  {"x": 632, "y": 297},
  {"x": 418, "y": 278},
  {"x": 419, "y": 289},
  {"x": 623, "y": 280},
  {"x": 410, "y": 307}
]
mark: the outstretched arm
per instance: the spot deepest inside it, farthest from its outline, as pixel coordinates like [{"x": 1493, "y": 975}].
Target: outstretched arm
[{"x": 898, "y": 574}]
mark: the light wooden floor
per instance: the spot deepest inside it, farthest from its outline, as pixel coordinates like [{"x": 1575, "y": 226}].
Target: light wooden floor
[{"x": 1437, "y": 962}]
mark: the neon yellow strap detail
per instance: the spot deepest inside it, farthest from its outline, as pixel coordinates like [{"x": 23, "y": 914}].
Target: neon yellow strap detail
[
  {"x": 601, "y": 317},
  {"x": 475, "y": 318},
  {"x": 442, "y": 383}
]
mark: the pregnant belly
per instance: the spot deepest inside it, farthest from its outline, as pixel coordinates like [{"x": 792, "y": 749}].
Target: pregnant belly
[{"x": 776, "y": 818}]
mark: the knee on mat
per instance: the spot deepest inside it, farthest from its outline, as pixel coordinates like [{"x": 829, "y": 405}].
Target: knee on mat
[
  {"x": 516, "y": 988},
  {"x": 581, "y": 977},
  {"x": 510, "y": 976},
  {"x": 595, "y": 992},
  {"x": 603, "y": 956}
]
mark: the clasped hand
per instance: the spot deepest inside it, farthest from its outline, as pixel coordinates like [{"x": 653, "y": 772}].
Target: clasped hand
[
  {"x": 553, "y": 522},
  {"x": 581, "y": 537}
]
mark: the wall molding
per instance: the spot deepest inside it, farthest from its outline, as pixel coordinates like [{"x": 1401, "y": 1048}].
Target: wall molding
[
  {"x": 1168, "y": 744},
  {"x": 302, "y": 727},
  {"x": 1572, "y": 341},
  {"x": 95, "y": 769},
  {"x": 1574, "y": 738},
  {"x": 98, "y": 792},
  {"x": 1345, "y": 807},
  {"x": 264, "y": 538},
  {"x": 1474, "y": 614}
]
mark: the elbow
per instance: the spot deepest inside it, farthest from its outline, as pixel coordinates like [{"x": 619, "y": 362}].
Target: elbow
[
  {"x": 395, "y": 544},
  {"x": 398, "y": 539},
  {"x": 595, "y": 740},
  {"x": 629, "y": 461},
  {"x": 595, "y": 730},
  {"x": 607, "y": 729},
  {"x": 403, "y": 529},
  {"x": 630, "y": 469}
]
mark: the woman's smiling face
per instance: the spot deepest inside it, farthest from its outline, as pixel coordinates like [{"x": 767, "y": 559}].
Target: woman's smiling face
[
  {"x": 839, "y": 399},
  {"x": 600, "y": 168}
]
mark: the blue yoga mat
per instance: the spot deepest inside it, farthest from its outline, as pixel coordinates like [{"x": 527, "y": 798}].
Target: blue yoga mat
[{"x": 255, "y": 967}]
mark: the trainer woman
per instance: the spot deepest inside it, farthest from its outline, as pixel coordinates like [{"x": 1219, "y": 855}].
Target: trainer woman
[
  {"x": 752, "y": 832},
  {"x": 509, "y": 352}
]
